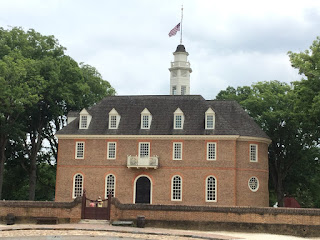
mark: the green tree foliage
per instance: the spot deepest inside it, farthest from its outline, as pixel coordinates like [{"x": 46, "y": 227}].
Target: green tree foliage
[
  {"x": 273, "y": 106},
  {"x": 41, "y": 85},
  {"x": 308, "y": 89}
]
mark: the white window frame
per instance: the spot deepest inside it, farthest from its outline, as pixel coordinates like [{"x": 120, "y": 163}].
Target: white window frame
[
  {"x": 250, "y": 184},
  {"x": 112, "y": 121},
  {"x": 145, "y": 114},
  {"x": 140, "y": 144},
  {"x": 209, "y": 190},
  {"x": 77, "y": 150},
  {"x": 174, "y": 153},
  {"x": 109, "y": 186},
  {"x": 208, "y": 151},
  {"x": 74, "y": 185},
  {"x": 174, "y": 194},
  {"x": 178, "y": 113},
  {"x": 83, "y": 122},
  {"x": 114, "y": 114},
  {"x": 253, "y": 153},
  {"x": 210, "y": 113},
  {"x": 112, "y": 150},
  {"x": 145, "y": 122}
]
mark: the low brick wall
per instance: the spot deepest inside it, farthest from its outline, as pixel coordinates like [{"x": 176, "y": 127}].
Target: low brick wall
[
  {"x": 302, "y": 222},
  {"x": 27, "y": 211}
]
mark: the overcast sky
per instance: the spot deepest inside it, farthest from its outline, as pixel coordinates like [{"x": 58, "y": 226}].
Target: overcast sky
[{"x": 230, "y": 42}]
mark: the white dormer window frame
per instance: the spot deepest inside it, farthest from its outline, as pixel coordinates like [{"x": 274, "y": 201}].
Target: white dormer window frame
[
  {"x": 85, "y": 119},
  {"x": 114, "y": 119},
  {"x": 210, "y": 119},
  {"x": 146, "y": 119},
  {"x": 178, "y": 120}
]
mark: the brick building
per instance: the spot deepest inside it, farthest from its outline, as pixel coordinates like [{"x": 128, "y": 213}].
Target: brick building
[{"x": 170, "y": 149}]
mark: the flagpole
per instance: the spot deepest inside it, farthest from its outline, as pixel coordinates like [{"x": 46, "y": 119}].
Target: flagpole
[{"x": 181, "y": 25}]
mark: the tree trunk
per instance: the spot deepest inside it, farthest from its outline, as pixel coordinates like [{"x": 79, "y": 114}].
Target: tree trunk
[
  {"x": 3, "y": 143},
  {"x": 280, "y": 192},
  {"x": 36, "y": 142}
]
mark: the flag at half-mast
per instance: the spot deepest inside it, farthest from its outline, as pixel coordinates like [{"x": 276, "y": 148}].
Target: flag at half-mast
[{"x": 174, "y": 30}]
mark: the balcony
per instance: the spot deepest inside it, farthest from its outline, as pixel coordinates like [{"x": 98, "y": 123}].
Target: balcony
[{"x": 142, "y": 162}]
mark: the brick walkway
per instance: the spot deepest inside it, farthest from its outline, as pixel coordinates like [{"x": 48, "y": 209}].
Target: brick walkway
[{"x": 105, "y": 229}]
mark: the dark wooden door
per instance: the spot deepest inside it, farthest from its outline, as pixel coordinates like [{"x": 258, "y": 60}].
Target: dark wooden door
[
  {"x": 143, "y": 190},
  {"x": 101, "y": 213}
]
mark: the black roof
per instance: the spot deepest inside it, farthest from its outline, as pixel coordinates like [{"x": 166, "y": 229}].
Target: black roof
[
  {"x": 230, "y": 118},
  {"x": 180, "y": 48}
]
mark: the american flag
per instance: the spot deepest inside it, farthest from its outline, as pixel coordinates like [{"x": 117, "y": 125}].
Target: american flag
[{"x": 174, "y": 30}]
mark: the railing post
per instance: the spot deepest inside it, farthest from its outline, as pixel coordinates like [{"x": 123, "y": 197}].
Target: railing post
[
  {"x": 109, "y": 205},
  {"x": 83, "y": 204}
]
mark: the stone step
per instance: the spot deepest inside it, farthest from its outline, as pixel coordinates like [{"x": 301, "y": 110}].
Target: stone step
[{"x": 94, "y": 221}]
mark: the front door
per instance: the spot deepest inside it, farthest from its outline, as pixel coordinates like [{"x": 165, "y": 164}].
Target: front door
[{"x": 143, "y": 190}]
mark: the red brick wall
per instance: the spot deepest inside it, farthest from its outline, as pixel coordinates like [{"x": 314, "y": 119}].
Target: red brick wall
[
  {"x": 232, "y": 170},
  {"x": 28, "y": 210},
  {"x": 290, "y": 216}
]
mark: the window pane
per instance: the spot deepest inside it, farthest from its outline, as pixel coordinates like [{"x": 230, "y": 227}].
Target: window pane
[
  {"x": 178, "y": 123},
  {"x": 211, "y": 189},
  {"x": 211, "y": 151},
  {"x": 177, "y": 151},
  {"x": 77, "y": 186},
  {"x": 112, "y": 150},
  {"x": 84, "y": 121},
  {"x": 253, "y": 184},
  {"x": 145, "y": 121},
  {"x": 113, "y": 121},
  {"x": 210, "y": 121},
  {"x": 253, "y": 153},
  {"x": 144, "y": 149},
  {"x": 174, "y": 90},
  {"x": 110, "y": 185},
  {"x": 176, "y": 188},
  {"x": 183, "y": 90},
  {"x": 80, "y": 150}
]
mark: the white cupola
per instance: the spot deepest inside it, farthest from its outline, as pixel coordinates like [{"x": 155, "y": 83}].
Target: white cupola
[{"x": 180, "y": 72}]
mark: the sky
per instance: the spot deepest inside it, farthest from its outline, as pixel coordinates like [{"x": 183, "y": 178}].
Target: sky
[{"x": 230, "y": 43}]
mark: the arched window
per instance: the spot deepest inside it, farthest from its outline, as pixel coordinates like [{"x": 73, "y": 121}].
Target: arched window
[
  {"x": 77, "y": 185},
  {"x": 211, "y": 189},
  {"x": 110, "y": 185},
  {"x": 176, "y": 188}
]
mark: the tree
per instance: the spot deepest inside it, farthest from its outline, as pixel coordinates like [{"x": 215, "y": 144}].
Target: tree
[
  {"x": 57, "y": 85},
  {"x": 18, "y": 90},
  {"x": 308, "y": 89},
  {"x": 273, "y": 106}
]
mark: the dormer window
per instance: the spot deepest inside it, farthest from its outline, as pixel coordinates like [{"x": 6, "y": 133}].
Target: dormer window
[
  {"x": 114, "y": 119},
  {"x": 146, "y": 118},
  {"x": 84, "y": 122},
  {"x": 210, "y": 119},
  {"x": 178, "y": 119},
  {"x": 85, "y": 119}
]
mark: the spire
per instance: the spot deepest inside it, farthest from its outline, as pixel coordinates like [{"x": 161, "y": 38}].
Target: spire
[{"x": 180, "y": 72}]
